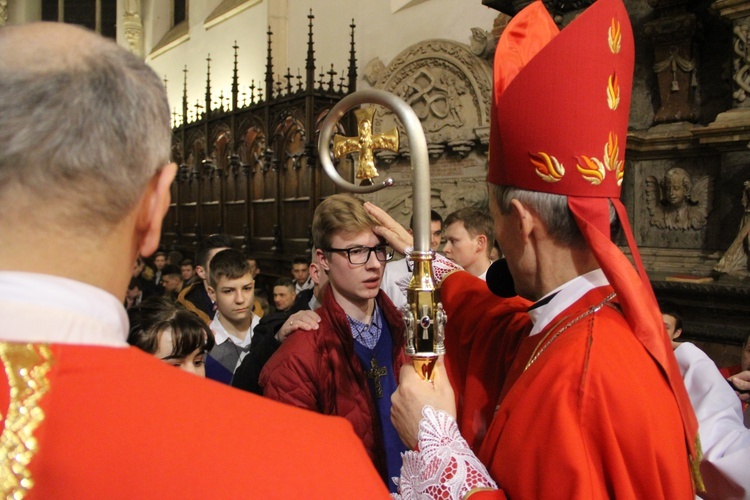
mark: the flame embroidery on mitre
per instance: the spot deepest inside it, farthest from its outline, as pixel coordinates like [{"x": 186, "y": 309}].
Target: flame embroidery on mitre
[
  {"x": 593, "y": 171},
  {"x": 611, "y": 160},
  {"x": 613, "y": 92},
  {"x": 615, "y": 36},
  {"x": 547, "y": 167}
]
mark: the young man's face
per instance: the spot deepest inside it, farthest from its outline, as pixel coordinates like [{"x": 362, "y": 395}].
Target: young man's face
[
  {"x": 283, "y": 297},
  {"x": 355, "y": 283},
  {"x": 300, "y": 272},
  {"x": 192, "y": 363},
  {"x": 670, "y": 323},
  {"x": 159, "y": 262},
  {"x": 187, "y": 272},
  {"x": 459, "y": 246},
  {"x": 171, "y": 283},
  {"x": 436, "y": 234},
  {"x": 234, "y": 298}
]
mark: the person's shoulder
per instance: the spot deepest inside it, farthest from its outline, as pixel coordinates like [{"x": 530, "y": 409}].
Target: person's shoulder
[
  {"x": 234, "y": 426},
  {"x": 189, "y": 290}
]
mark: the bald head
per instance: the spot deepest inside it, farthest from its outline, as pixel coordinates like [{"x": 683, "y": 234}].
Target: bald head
[{"x": 85, "y": 125}]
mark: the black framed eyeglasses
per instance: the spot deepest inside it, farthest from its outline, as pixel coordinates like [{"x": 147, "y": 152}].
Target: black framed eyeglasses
[{"x": 361, "y": 254}]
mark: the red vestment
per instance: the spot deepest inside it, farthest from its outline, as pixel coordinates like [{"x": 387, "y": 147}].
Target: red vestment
[
  {"x": 118, "y": 423},
  {"x": 591, "y": 417}
]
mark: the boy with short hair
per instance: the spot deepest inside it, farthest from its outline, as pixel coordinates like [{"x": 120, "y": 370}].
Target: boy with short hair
[
  {"x": 469, "y": 238},
  {"x": 195, "y": 296},
  {"x": 230, "y": 286},
  {"x": 348, "y": 365},
  {"x": 284, "y": 293},
  {"x": 301, "y": 273},
  {"x": 171, "y": 281}
]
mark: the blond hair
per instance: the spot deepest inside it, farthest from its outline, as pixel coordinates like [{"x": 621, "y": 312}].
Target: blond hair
[{"x": 340, "y": 213}]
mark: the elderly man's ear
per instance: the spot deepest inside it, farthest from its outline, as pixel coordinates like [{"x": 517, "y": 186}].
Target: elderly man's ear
[{"x": 152, "y": 208}]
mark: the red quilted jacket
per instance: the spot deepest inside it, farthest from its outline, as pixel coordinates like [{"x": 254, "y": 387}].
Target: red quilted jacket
[{"x": 319, "y": 371}]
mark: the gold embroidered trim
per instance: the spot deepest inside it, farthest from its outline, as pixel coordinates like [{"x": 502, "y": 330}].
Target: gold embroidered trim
[
  {"x": 26, "y": 366},
  {"x": 695, "y": 466}
]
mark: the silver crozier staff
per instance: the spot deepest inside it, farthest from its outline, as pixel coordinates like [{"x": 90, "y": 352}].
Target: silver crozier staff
[{"x": 423, "y": 314}]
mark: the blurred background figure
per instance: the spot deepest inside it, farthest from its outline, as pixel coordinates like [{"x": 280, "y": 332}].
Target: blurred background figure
[
  {"x": 171, "y": 281},
  {"x": 284, "y": 293},
  {"x": 301, "y": 274},
  {"x": 187, "y": 269}
]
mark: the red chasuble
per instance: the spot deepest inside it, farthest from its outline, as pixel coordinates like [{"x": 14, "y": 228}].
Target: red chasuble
[
  {"x": 591, "y": 417},
  {"x": 118, "y": 423}
]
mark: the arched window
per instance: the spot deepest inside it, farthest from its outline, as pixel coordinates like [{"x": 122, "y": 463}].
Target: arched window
[{"x": 97, "y": 15}]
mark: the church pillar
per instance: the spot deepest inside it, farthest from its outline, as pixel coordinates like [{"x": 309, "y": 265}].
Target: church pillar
[{"x": 133, "y": 27}]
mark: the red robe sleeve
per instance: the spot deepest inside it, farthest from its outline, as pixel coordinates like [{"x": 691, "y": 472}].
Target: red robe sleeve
[{"x": 482, "y": 335}]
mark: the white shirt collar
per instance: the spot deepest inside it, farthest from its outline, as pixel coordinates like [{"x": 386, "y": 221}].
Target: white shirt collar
[
  {"x": 221, "y": 334},
  {"x": 304, "y": 286},
  {"x": 566, "y": 295},
  {"x": 41, "y": 308},
  {"x": 483, "y": 276}
]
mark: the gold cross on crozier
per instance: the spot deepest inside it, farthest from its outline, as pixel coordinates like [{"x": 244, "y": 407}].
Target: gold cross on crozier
[
  {"x": 375, "y": 373},
  {"x": 365, "y": 143}
]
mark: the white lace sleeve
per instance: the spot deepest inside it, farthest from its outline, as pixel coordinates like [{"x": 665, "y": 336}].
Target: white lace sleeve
[
  {"x": 445, "y": 467},
  {"x": 441, "y": 267}
]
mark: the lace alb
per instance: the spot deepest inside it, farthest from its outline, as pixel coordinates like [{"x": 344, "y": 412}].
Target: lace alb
[{"x": 445, "y": 467}]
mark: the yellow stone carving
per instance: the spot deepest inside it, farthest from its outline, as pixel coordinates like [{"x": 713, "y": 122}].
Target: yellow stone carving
[
  {"x": 26, "y": 366},
  {"x": 365, "y": 143}
]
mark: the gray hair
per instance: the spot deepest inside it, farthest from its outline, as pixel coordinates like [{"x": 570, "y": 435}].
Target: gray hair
[
  {"x": 82, "y": 130},
  {"x": 552, "y": 210}
]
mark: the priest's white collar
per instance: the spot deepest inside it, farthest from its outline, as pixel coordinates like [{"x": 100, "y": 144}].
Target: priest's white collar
[
  {"x": 41, "y": 308},
  {"x": 563, "y": 297}
]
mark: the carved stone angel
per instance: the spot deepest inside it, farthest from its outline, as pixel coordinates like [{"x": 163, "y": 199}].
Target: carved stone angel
[{"x": 676, "y": 202}]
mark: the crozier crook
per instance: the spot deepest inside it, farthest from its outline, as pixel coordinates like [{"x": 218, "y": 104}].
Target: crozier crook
[{"x": 423, "y": 314}]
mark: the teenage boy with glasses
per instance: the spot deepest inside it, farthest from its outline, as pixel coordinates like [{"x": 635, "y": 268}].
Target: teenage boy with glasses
[{"x": 347, "y": 366}]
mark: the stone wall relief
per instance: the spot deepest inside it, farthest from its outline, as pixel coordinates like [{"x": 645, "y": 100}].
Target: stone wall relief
[
  {"x": 449, "y": 86},
  {"x": 677, "y": 202},
  {"x": 741, "y": 63},
  {"x": 672, "y": 34},
  {"x": 735, "y": 259}
]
